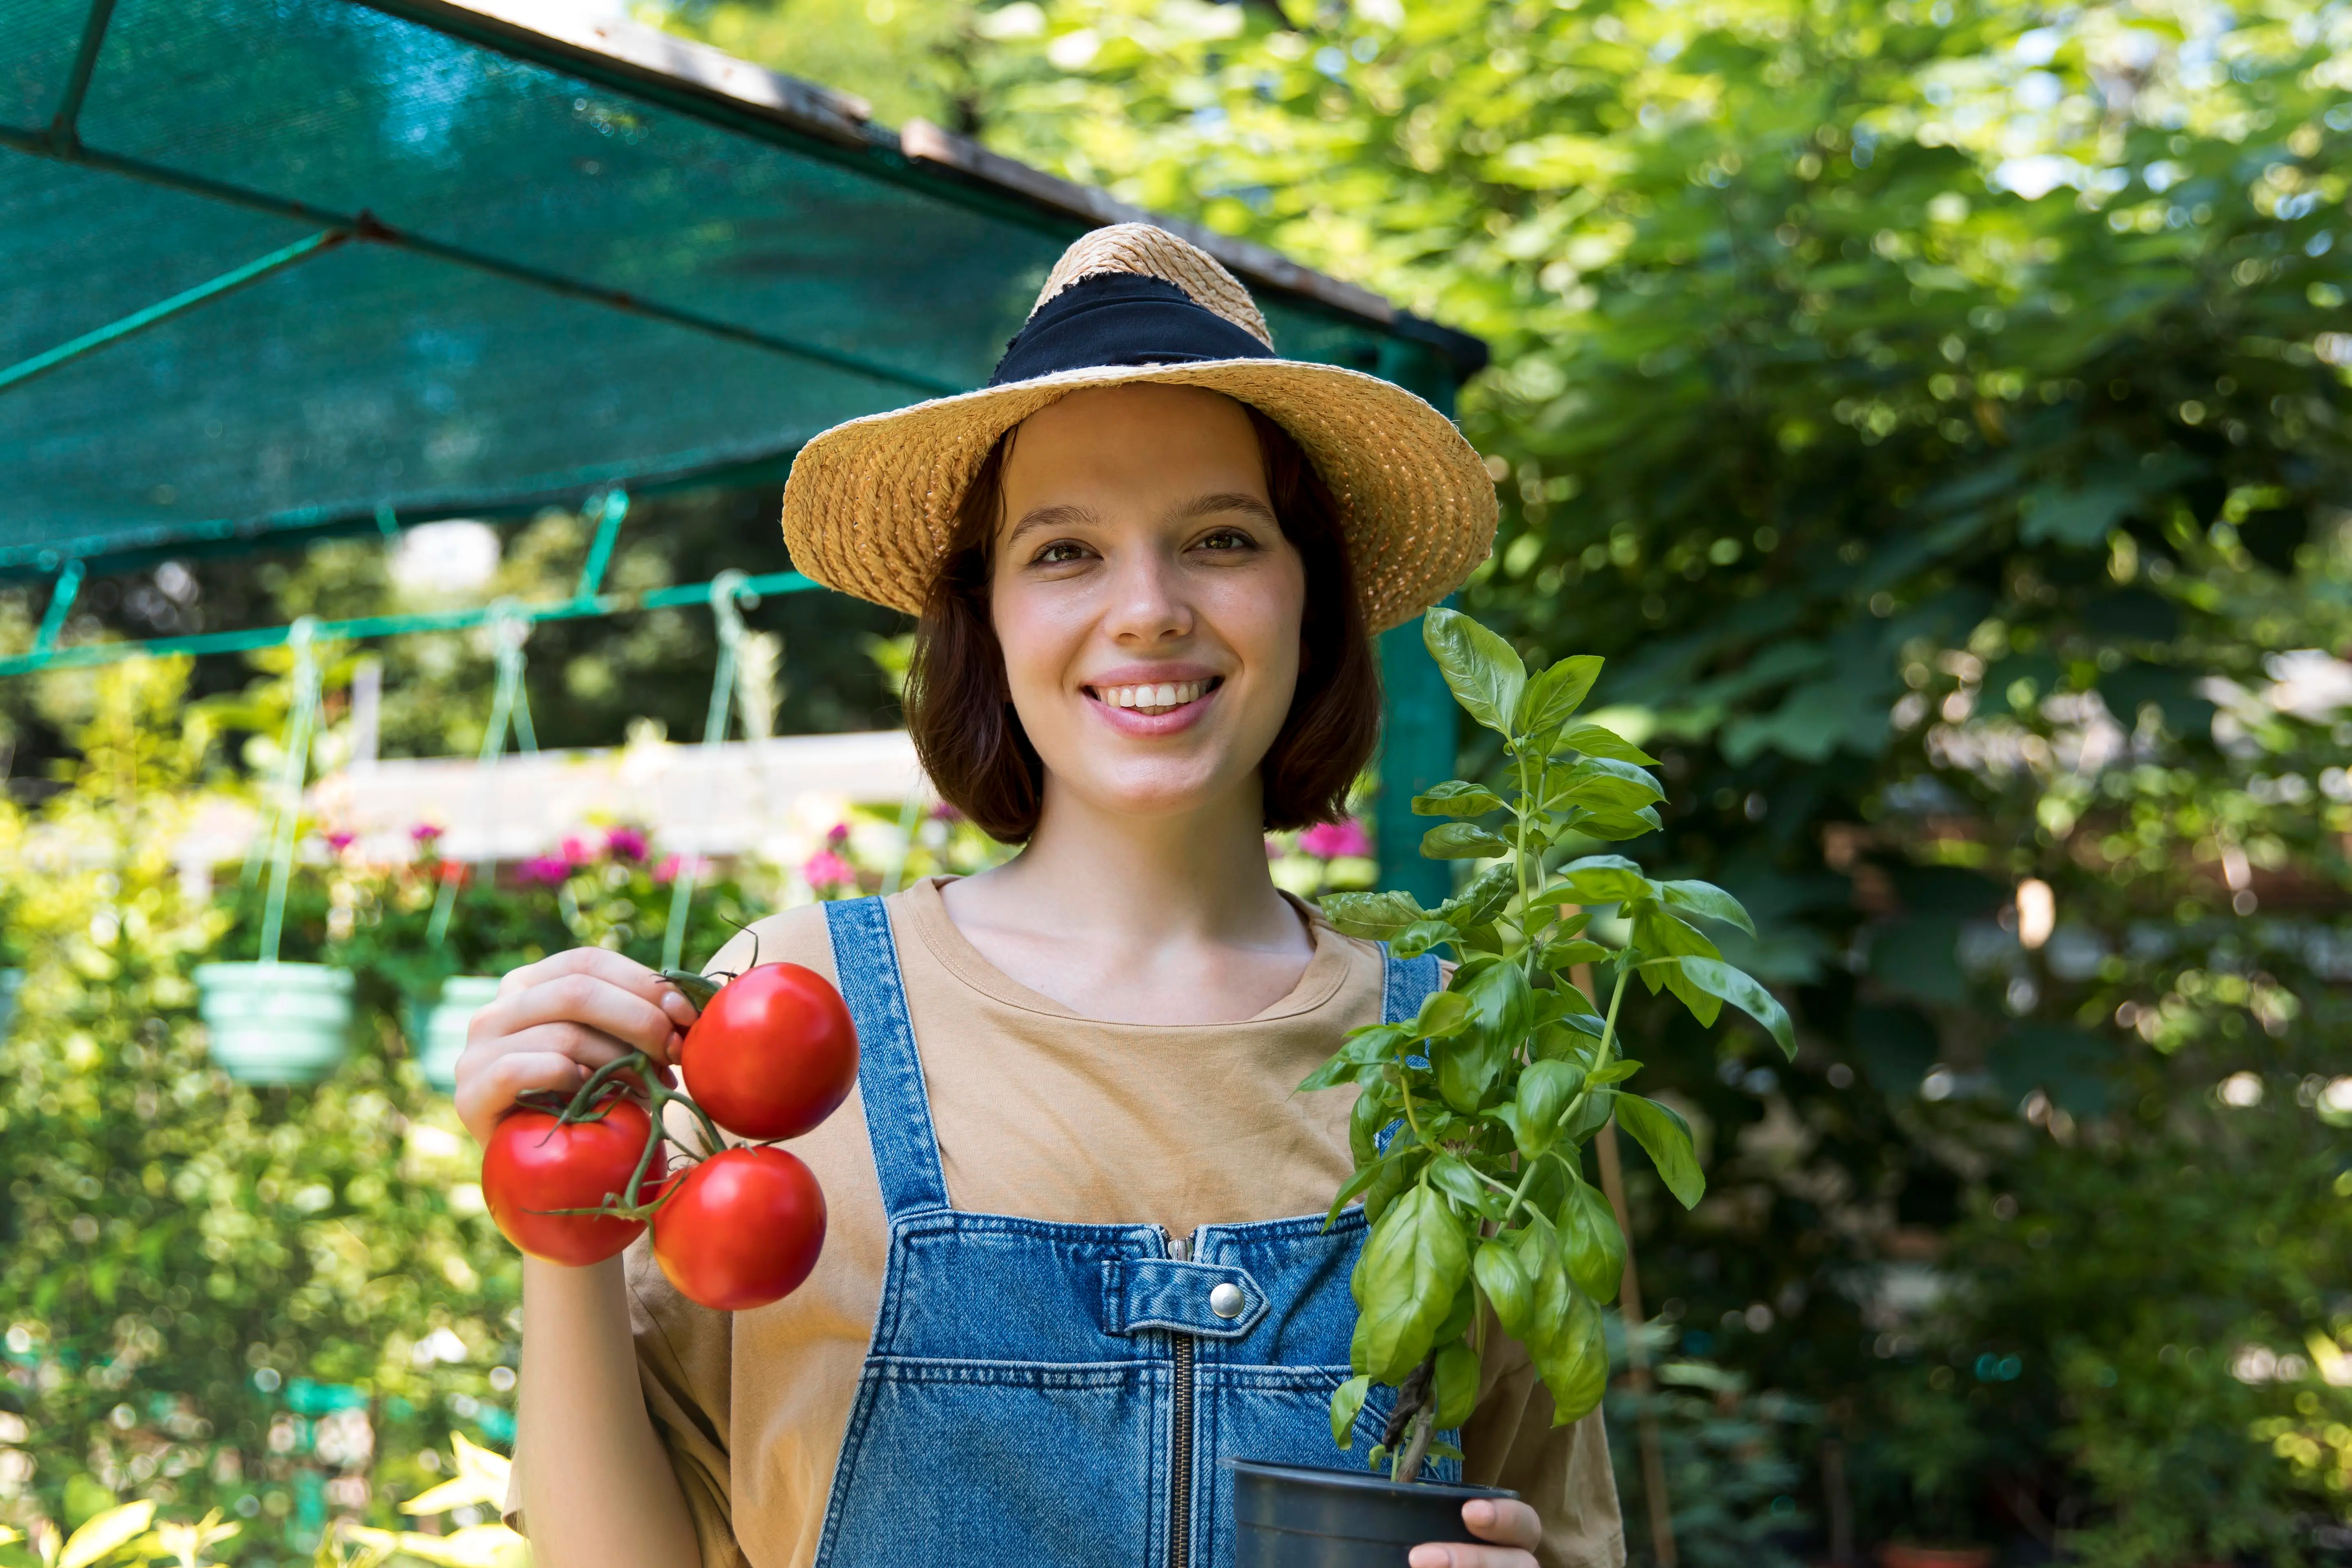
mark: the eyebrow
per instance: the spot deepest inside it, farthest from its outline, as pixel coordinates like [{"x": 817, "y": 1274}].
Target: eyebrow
[{"x": 1070, "y": 516}]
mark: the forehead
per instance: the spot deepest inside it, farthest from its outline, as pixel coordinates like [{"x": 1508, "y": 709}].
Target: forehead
[{"x": 1142, "y": 438}]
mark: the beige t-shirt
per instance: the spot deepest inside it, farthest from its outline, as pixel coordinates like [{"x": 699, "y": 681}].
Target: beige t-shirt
[{"x": 1041, "y": 1113}]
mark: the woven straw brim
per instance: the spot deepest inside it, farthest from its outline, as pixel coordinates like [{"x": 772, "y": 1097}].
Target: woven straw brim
[{"x": 869, "y": 506}]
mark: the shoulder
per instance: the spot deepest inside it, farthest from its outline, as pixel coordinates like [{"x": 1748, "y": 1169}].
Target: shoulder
[{"x": 798, "y": 935}]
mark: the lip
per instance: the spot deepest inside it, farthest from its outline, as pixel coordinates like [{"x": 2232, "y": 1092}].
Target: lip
[{"x": 1151, "y": 726}]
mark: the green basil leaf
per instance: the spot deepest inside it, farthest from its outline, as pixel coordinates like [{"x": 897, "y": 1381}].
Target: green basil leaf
[
  {"x": 1372, "y": 1043},
  {"x": 1707, "y": 899},
  {"x": 1567, "y": 953},
  {"x": 1346, "y": 1402},
  {"x": 1357, "y": 1183},
  {"x": 1593, "y": 741},
  {"x": 1566, "y": 1002},
  {"x": 1457, "y": 797},
  {"x": 1594, "y": 1246},
  {"x": 1483, "y": 900},
  {"x": 1598, "y": 1105},
  {"x": 1616, "y": 827},
  {"x": 1461, "y": 841},
  {"x": 1666, "y": 1137},
  {"x": 1552, "y": 897},
  {"x": 1508, "y": 1287},
  {"x": 1443, "y": 1014},
  {"x": 1375, "y": 917},
  {"x": 1502, "y": 1004},
  {"x": 1617, "y": 1071},
  {"x": 1451, "y": 1176},
  {"x": 1396, "y": 1178},
  {"x": 1467, "y": 1066},
  {"x": 1659, "y": 934},
  {"x": 1420, "y": 937},
  {"x": 1551, "y": 698},
  {"x": 1415, "y": 1261},
  {"x": 1486, "y": 674},
  {"x": 1546, "y": 1088},
  {"x": 1604, "y": 879},
  {"x": 1454, "y": 1381},
  {"x": 1718, "y": 978},
  {"x": 1573, "y": 1361},
  {"x": 1374, "y": 1109}
]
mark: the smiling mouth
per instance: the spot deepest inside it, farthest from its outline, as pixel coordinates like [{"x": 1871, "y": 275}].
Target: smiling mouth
[{"x": 1165, "y": 697}]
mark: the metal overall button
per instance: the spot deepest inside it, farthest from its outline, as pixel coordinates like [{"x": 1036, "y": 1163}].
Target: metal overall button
[{"x": 1226, "y": 1300}]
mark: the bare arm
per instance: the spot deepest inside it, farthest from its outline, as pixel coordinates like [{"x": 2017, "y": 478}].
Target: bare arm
[{"x": 598, "y": 1491}]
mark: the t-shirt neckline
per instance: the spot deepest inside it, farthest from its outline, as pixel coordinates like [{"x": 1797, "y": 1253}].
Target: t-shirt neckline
[{"x": 1325, "y": 973}]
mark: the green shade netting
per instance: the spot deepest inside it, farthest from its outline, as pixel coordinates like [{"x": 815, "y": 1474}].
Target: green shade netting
[{"x": 374, "y": 376}]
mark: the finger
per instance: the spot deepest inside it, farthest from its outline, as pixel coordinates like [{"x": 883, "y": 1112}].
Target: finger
[
  {"x": 1504, "y": 1521},
  {"x": 591, "y": 1000},
  {"x": 606, "y": 965},
  {"x": 588, "y": 1048},
  {"x": 1433, "y": 1555},
  {"x": 486, "y": 1091}
]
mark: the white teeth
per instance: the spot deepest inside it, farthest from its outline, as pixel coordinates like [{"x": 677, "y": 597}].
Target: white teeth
[{"x": 1155, "y": 698}]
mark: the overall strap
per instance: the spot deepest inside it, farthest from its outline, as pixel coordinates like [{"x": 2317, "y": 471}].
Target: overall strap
[
  {"x": 1405, "y": 983},
  {"x": 890, "y": 1069}
]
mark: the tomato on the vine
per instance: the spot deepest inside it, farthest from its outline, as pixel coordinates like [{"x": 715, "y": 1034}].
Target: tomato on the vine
[
  {"x": 743, "y": 1228},
  {"x": 535, "y": 1164},
  {"x": 773, "y": 1054}
]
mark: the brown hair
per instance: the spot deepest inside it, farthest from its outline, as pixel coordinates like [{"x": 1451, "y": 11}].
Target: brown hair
[{"x": 960, "y": 710}]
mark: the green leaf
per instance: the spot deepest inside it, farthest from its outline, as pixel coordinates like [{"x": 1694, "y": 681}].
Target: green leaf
[
  {"x": 1373, "y": 1109},
  {"x": 1372, "y": 1043},
  {"x": 1666, "y": 1137},
  {"x": 1661, "y": 935},
  {"x": 1357, "y": 1183},
  {"x": 1707, "y": 899},
  {"x": 1604, "y": 879},
  {"x": 1396, "y": 1176},
  {"x": 1551, "y": 698},
  {"x": 1603, "y": 785},
  {"x": 1508, "y": 1286},
  {"x": 1414, "y": 1263},
  {"x": 1483, "y": 900},
  {"x": 1375, "y": 917},
  {"x": 1462, "y": 841},
  {"x": 1567, "y": 954},
  {"x": 1617, "y": 1071},
  {"x": 1455, "y": 1383},
  {"x": 102, "y": 1535},
  {"x": 1594, "y": 1246},
  {"x": 1573, "y": 1361},
  {"x": 1449, "y": 1175},
  {"x": 1502, "y": 1004},
  {"x": 1486, "y": 675},
  {"x": 1718, "y": 978},
  {"x": 1421, "y": 936},
  {"x": 1457, "y": 797},
  {"x": 1347, "y": 1401},
  {"x": 1443, "y": 1014},
  {"x": 1616, "y": 827},
  {"x": 1599, "y": 1104},
  {"x": 1546, "y": 1088},
  {"x": 1593, "y": 740}
]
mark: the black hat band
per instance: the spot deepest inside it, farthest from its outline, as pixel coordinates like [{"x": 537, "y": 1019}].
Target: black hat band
[{"x": 1121, "y": 318}]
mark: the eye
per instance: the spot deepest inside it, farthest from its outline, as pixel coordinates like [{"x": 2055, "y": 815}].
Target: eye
[
  {"x": 1060, "y": 553},
  {"x": 1228, "y": 540}
]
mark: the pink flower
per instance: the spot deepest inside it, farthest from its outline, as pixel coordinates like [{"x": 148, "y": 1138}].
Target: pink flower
[
  {"x": 826, "y": 870},
  {"x": 943, "y": 812},
  {"x": 667, "y": 871},
  {"x": 424, "y": 832},
  {"x": 543, "y": 869},
  {"x": 836, "y": 836},
  {"x": 1335, "y": 840},
  {"x": 627, "y": 843},
  {"x": 339, "y": 841},
  {"x": 575, "y": 850}
]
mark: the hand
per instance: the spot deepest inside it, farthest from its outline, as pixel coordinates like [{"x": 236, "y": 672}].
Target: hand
[
  {"x": 1512, "y": 1525},
  {"x": 558, "y": 1020}
]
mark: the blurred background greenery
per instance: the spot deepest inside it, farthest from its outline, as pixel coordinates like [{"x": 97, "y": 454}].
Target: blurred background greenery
[{"x": 1936, "y": 412}]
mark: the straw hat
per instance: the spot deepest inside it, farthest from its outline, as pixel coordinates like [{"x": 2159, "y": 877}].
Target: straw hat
[{"x": 870, "y": 505}]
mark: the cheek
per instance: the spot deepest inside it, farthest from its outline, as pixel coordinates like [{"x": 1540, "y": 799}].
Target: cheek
[{"x": 1037, "y": 649}]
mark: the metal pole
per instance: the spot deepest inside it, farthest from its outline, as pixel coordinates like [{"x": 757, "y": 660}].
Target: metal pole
[
  {"x": 61, "y": 598},
  {"x": 93, "y": 34}
]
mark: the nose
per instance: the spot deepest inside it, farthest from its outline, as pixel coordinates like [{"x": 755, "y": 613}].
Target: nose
[{"x": 1148, "y": 602}]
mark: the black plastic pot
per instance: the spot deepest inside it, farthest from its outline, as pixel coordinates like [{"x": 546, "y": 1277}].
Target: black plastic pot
[{"x": 1292, "y": 1515}]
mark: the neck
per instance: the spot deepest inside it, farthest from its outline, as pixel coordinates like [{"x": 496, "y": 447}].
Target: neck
[{"x": 1127, "y": 879}]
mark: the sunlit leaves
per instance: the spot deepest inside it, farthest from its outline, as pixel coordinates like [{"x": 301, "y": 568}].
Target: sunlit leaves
[{"x": 1486, "y": 675}]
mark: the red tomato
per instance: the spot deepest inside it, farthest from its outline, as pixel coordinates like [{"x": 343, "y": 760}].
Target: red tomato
[
  {"x": 772, "y": 1054},
  {"x": 533, "y": 1164},
  {"x": 743, "y": 1228}
]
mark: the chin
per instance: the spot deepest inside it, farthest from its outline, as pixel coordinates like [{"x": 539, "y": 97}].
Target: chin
[{"x": 1154, "y": 791}]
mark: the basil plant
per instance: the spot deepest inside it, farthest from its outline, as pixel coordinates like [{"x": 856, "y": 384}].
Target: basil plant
[{"x": 1471, "y": 1119}]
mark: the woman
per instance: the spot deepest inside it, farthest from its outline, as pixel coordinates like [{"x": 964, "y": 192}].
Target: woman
[{"x": 1064, "y": 1276}]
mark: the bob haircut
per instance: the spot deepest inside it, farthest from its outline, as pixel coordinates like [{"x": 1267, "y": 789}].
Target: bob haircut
[{"x": 960, "y": 710}]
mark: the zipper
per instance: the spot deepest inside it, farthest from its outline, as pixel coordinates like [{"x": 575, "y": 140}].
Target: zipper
[{"x": 1180, "y": 1478}]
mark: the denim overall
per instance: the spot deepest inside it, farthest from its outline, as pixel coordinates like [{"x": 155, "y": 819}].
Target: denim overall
[{"x": 1039, "y": 1393}]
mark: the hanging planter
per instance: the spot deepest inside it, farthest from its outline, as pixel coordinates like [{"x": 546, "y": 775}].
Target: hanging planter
[
  {"x": 276, "y": 1023},
  {"x": 436, "y": 1030},
  {"x": 273, "y": 1023}
]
